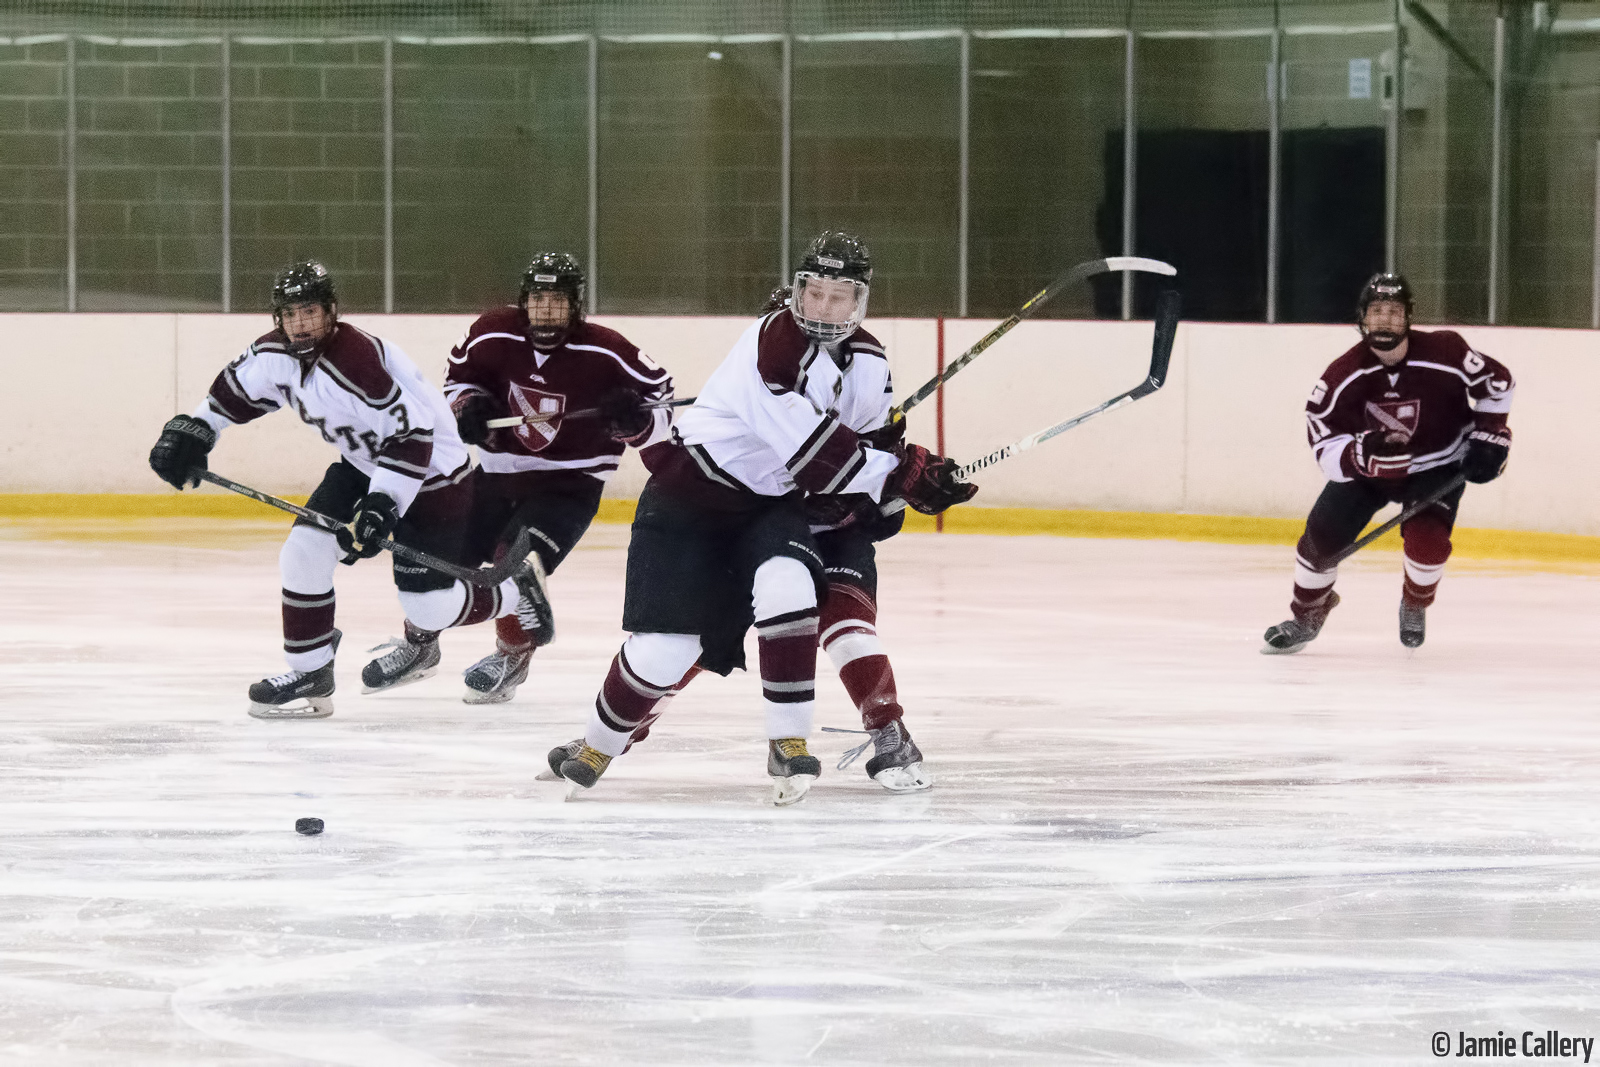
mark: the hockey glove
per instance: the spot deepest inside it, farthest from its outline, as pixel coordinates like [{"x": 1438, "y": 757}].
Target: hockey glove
[
  {"x": 928, "y": 482},
  {"x": 179, "y": 455},
  {"x": 888, "y": 437},
  {"x": 1487, "y": 452},
  {"x": 624, "y": 418},
  {"x": 1377, "y": 454},
  {"x": 376, "y": 517},
  {"x": 837, "y": 511},
  {"x": 472, "y": 418}
]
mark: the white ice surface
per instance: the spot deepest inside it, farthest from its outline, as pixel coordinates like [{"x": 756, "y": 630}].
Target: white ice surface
[{"x": 1146, "y": 843}]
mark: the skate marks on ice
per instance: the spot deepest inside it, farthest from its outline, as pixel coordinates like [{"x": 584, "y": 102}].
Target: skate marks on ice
[{"x": 1146, "y": 844}]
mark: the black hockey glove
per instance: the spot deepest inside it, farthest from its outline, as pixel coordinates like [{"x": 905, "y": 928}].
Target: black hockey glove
[
  {"x": 472, "y": 418},
  {"x": 928, "y": 482},
  {"x": 376, "y": 517},
  {"x": 1487, "y": 452},
  {"x": 623, "y": 416},
  {"x": 179, "y": 455}
]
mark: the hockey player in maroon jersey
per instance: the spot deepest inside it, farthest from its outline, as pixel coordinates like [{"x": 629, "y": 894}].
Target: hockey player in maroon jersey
[
  {"x": 541, "y": 356},
  {"x": 721, "y": 539},
  {"x": 1393, "y": 420},
  {"x": 402, "y": 475}
]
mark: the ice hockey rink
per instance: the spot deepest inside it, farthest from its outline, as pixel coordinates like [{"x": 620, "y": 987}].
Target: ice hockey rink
[{"x": 1146, "y": 842}]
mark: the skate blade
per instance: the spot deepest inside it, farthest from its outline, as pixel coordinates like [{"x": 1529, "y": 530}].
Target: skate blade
[
  {"x": 547, "y": 775},
  {"x": 907, "y": 779},
  {"x": 1273, "y": 650},
  {"x": 790, "y": 790},
  {"x": 313, "y": 708},
  {"x": 494, "y": 696},
  {"x": 407, "y": 680}
]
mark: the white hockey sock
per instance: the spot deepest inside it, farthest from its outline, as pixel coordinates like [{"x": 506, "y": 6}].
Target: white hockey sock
[{"x": 786, "y": 631}]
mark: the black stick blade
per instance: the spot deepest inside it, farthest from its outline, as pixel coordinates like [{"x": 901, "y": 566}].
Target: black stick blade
[{"x": 1168, "y": 307}]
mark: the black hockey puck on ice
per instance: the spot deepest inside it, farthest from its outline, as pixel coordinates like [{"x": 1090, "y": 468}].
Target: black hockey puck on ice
[{"x": 309, "y": 827}]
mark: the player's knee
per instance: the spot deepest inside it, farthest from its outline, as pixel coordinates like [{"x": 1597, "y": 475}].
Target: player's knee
[
  {"x": 661, "y": 659},
  {"x": 1427, "y": 540},
  {"x": 783, "y": 585},
  {"x": 308, "y": 559},
  {"x": 436, "y": 609}
]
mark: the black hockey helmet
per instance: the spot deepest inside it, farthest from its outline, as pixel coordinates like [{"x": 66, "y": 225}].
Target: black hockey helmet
[
  {"x": 1389, "y": 287},
  {"x": 554, "y": 272},
  {"x": 833, "y": 257},
  {"x": 307, "y": 282}
]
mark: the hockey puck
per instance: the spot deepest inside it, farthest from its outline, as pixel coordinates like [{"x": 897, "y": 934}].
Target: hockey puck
[{"x": 309, "y": 827}]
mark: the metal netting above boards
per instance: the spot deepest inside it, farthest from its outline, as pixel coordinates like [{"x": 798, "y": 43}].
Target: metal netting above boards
[{"x": 167, "y": 154}]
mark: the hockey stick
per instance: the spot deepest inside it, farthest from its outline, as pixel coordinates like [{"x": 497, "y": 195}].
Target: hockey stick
[
  {"x": 1076, "y": 274},
  {"x": 581, "y": 413},
  {"x": 1167, "y": 309},
  {"x": 510, "y": 565},
  {"x": 1411, "y": 511}
]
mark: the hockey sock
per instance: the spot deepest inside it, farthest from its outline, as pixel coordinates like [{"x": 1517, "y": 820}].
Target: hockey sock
[
  {"x": 850, "y": 637},
  {"x": 509, "y": 635},
  {"x": 306, "y": 563},
  {"x": 307, "y": 629},
  {"x": 642, "y": 731},
  {"x": 1427, "y": 540},
  {"x": 437, "y": 609},
  {"x": 1312, "y": 582},
  {"x": 786, "y": 638},
  {"x": 643, "y": 673}
]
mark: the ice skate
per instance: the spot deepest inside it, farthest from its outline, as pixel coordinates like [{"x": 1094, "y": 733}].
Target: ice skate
[
  {"x": 559, "y": 755},
  {"x": 534, "y": 614},
  {"x": 494, "y": 678},
  {"x": 295, "y": 694},
  {"x": 1292, "y": 635},
  {"x": 1413, "y": 623},
  {"x": 410, "y": 659},
  {"x": 793, "y": 769},
  {"x": 581, "y": 767},
  {"x": 897, "y": 762}
]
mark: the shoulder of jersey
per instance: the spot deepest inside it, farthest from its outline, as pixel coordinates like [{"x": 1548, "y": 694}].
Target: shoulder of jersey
[
  {"x": 863, "y": 343},
  {"x": 781, "y": 346},
  {"x": 1347, "y": 364},
  {"x": 355, "y": 361},
  {"x": 505, "y": 319},
  {"x": 1442, "y": 345},
  {"x": 608, "y": 344},
  {"x": 271, "y": 342}
]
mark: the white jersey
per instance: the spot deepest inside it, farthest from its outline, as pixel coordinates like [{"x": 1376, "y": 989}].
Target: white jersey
[
  {"x": 783, "y": 413},
  {"x": 365, "y": 397}
]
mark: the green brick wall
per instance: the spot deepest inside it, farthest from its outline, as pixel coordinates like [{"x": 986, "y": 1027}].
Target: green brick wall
[{"x": 33, "y": 177}]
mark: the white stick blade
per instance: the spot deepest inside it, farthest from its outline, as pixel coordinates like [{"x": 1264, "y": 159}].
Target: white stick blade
[{"x": 1139, "y": 263}]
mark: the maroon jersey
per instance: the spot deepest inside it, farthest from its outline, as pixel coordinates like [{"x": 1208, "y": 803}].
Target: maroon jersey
[
  {"x": 496, "y": 359},
  {"x": 1440, "y": 392}
]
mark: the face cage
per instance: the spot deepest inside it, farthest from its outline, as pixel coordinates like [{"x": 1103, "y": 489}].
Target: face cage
[
  {"x": 306, "y": 349},
  {"x": 553, "y": 336},
  {"x": 1361, "y": 322},
  {"x": 820, "y": 329}
]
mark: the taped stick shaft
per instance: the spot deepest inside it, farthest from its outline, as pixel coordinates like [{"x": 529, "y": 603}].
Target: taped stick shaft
[{"x": 1406, "y": 514}]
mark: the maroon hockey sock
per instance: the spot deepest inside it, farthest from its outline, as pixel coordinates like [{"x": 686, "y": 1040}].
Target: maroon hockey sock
[
  {"x": 787, "y": 645},
  {"x": 307, "y": 621},
  {"x": 509, "y": 635},
  {"x": 481, "y": 604},
  {"x": 642, "y": 731},
  {"x": 1420, "y": 595},
  {"x": 626, "y": 701},
  {"x": 850, "y": 637},
  {"x": 1309, "y": 599}
]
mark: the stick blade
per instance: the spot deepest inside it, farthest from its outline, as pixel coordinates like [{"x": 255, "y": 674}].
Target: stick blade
[{"x": 1169, "y": 305}]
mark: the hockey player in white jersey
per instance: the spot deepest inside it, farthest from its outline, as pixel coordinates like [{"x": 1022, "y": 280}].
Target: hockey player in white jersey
[
  {"x": 402, "y": 474},
  {"x": 721, "y": 539}
]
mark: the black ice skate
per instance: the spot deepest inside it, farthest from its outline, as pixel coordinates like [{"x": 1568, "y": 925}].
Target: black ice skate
[
  {"x": 409, "y": 659},
  {"x": 793, "y": 769},
  {"x": 1413, "y": 623},
  {"x": 897, "y": 763},
  {"x": 1292, "y": 635},
  {"x": 494, "y": 678},
  {"x": 295, "y": 694},
  {"x": 534, "y": 615},
  {"x": 582, "y": 766}
]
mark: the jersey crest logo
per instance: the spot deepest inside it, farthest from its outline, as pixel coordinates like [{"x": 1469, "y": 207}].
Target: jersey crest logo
[
  {"x": 1399, "y": 417},
  {"x": 537, "y": 436}
]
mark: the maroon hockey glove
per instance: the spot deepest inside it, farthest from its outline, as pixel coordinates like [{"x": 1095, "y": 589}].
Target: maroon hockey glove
[
  {"x": 473, "y": 413},
  {"x": 376, "y": 517},
  {"x": 888, "y": 437},
  {"x": 837, "y": 511},
  {"x": 179, "y": 455},
  {"x": 624, "y": 417},
  {"x": 928, "y": 482},
  {"x": 1487, "y": 452},
  {"x": 1378, "y": 454}
]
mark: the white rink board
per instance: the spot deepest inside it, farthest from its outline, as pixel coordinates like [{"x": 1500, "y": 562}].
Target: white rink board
[
  {"x": 1225, "y": 436},
  {"x": 1146, "y": 844}
]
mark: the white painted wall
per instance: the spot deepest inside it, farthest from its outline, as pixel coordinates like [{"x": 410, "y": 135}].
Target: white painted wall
[{"x": 86, "y": 396}]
